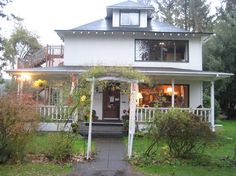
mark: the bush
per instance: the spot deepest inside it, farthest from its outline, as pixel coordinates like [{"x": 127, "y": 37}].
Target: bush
[
  {"x": 18, "y": 120},
  {"x": 61, "y": 146},
  {"x": 184, "y": 133},
  {"x": 207, "y": 104}
]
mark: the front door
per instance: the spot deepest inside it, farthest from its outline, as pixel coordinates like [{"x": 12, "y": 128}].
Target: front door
[{"x": 111, "y": 103}]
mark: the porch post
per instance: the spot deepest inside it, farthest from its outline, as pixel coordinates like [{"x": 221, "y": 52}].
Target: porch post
[
  {"x": 20, "y": 85},
  {"x": 212, "y": 105},
  {"x": 90, "y": 121},
  {"x": 173, "y": 93},
  {"x": 133, "y": 96}
]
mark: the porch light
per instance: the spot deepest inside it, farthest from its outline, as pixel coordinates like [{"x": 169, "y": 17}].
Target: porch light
[
  {"x": 139, "y": 96},
  {"x": 169, "y": 90},
  {"x": 24, "y": 77}
]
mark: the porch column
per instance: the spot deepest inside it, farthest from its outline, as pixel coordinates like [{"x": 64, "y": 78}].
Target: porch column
[
  {"x": 173, "y": 93},
  {"x": 133, "y": 96},
  {"x": 90, "y": 120},
  {"x": 212, "y": 105}
]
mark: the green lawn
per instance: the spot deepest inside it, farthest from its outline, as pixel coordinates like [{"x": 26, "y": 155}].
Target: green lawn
[
  {"x": 34, "y": 169},
  {"x": 41, "y": 142},
  {"x": 224, "y": 148},
  {"x": 40, "y": 145}
]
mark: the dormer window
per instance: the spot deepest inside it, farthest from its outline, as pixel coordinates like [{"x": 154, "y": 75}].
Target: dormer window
[{"x": 129, "y": 18}]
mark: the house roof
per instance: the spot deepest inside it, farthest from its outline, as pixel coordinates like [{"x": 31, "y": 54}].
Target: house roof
[
  {"x": 105, "y": 25},
  {"x": 130, "y": 5},
  {"x": 152, "y": 71}
]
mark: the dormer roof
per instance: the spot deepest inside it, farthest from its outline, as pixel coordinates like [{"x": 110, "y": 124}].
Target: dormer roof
[{"x": 129, "y": 5}]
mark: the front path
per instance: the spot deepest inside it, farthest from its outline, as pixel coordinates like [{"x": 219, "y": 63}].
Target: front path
[{"x": 110, "y": 160}]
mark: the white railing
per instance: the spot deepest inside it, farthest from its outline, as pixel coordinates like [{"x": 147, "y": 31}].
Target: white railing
[
  {"x": 148, "y": 114},
  {"x": 55, "y": 113}
]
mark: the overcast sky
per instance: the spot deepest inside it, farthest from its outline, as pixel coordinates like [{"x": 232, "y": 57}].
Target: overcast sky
[{"x": 44, "y": 16}]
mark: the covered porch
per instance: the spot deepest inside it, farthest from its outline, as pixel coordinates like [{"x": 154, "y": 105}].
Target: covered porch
[{"x": 175, "y": 82}]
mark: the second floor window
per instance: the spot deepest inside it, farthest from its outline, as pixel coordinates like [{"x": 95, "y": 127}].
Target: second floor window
[
  {"x": 161, "y": 50},
  {"x": 129, "y": 19}
]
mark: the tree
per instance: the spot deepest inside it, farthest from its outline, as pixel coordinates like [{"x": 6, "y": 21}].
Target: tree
[
  {"x": 21, "y": 45},
  {"x": 219, "y": 54},
  {"x": 192, "y": 15},
  {"x": 3, "y": 3}
]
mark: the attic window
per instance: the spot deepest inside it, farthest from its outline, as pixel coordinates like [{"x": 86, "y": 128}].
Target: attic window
[{"x": 129, "y": 18}]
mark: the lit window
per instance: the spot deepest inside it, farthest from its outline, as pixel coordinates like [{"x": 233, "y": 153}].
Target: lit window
[
  {"x": 129, "y": 19},
  {"x": 161, "y": 95}
]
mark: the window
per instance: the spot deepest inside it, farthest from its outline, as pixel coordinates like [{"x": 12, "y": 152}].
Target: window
[
  {"x": 161, "y": 95},
  {"x": 54, "y": 96},
  {"x": 161, "y": 50},
  {"x": 129, "y": 19}
]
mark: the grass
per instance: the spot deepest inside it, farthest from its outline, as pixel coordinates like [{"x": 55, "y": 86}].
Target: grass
[
  {"x": 40, "y": 145},
  {"x": 225, "y": 148},
  {"x": 34, "y": 169},
  {"x": 41, "y": 142}
]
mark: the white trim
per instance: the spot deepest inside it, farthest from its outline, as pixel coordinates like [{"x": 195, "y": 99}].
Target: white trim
[
  {"x": 212, "y": 105},
  {"x": 90, "y": 121}
]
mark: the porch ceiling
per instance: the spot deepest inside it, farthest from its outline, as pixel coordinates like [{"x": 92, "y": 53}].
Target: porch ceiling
[{"x": 160, "y": 72}]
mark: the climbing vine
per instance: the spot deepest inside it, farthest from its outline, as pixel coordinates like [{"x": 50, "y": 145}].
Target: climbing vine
[{"x": 80, "y": 99}]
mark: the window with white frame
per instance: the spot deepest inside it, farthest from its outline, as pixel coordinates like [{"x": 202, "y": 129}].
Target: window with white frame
[{"x": 129, "y": 18}]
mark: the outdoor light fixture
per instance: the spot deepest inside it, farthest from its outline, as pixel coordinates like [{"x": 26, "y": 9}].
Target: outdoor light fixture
[
  {"x": 169, "y": 90},
  {"x": 24, "y": 77},
  {"x": 139, "y": 96}
]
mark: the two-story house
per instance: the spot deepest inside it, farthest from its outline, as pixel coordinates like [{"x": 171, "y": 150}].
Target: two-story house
[{"x": 129, "y": 36}]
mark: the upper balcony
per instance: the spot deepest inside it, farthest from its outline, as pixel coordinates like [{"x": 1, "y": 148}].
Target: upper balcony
[{"x": 49, "y": 56}]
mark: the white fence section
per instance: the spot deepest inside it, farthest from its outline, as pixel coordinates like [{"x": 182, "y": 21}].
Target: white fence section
[
  {"x": 148, "y": 114},
  {"x": 56, "y": 113}
]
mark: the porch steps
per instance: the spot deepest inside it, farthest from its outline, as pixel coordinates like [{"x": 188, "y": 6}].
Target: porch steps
[{"x": 103, "y": 129}]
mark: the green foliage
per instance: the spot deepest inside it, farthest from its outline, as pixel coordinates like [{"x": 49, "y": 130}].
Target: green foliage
[
  {"x": 18, "y": 121},
  {"x": 207, "y": 104},
  {"x": 21, "y": 45},
  {"x": 216, "y": 160},
  {"x": 61, "y": 146},
  {"x": 81, "y": 95},
  {"x": 219, "y": 54},
  {"x": 192, "y": 15},
  {"x": 184, "y": 133},
  {"x": 29, "y": 169}
]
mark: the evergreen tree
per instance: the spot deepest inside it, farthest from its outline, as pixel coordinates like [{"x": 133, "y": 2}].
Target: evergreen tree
[
  {"x": 192, "y": 15},
  {"x": 220, "y": 55}
]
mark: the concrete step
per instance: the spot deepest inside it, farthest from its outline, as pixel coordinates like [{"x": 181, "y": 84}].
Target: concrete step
[{"x": 103, "y": 129}]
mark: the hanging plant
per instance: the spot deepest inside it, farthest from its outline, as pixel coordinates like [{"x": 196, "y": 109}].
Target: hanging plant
[{"x": 39, "y": 84}]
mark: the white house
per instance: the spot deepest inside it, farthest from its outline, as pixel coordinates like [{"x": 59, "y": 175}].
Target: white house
[{"x": 129, "y": 36}]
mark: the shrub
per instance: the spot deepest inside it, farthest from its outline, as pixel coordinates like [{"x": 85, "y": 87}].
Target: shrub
[
  {"x": 18, "y": 120},
  {"x": 61, "y": 146},
  {"x": 184, "y": 133}
]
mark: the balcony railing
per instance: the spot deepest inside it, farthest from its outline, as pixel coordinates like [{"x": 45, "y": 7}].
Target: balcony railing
[
  {"x": 148, "y": 114},
  {"x": 60, "y": 113},
  {"x": 55, "y": 113}
]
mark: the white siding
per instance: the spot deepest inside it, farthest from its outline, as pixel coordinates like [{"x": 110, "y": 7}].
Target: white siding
[
  {"x": 115, "y": 18},
  {"x": 118, "y": 50},
  {"x": 97, "y": 106},
  {"x": 143, "y": 19},
  {"x": 195, "y": 89}
]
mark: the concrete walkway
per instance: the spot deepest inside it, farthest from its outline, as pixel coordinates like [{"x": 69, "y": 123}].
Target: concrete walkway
[{"x": 110, "y": 160}]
